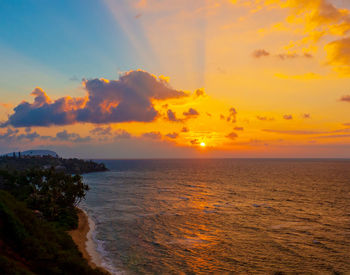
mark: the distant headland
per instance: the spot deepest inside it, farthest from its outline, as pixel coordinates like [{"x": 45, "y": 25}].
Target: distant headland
[
  {"x": 32, "y": 153},
  {"x": 47, "y": 159}
]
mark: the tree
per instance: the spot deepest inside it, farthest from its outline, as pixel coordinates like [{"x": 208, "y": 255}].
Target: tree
[{"x": 54, "y": 192}]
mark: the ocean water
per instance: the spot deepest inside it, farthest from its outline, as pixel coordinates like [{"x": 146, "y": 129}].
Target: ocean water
[{"x": 226, "y": 216}]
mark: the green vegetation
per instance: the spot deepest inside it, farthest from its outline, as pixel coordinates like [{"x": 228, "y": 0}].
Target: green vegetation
[
  {"x": 37, "y": 207},
  {"x": 30, "y": 245},
  {"x": 51, "y": 194}
]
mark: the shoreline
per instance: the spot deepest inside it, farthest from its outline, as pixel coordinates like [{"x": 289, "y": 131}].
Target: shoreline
[{"x": 82, "y": 237}]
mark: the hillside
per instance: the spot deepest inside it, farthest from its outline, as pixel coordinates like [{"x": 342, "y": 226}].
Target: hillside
[
  {"x": 38, "y": 199},
  {"x": 31, "y": 245}
]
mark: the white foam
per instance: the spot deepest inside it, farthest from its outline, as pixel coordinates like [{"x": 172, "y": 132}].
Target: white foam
[{"x": 96, "y": 251}]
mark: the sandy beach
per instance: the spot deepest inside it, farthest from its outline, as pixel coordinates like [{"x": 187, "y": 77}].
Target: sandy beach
[{"x": 80, "y": 237}]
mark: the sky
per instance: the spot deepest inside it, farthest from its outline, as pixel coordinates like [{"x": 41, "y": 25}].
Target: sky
[{"x": 176, "y": 79}]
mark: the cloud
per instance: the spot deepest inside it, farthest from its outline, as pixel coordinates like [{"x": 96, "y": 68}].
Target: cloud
[
  {"x": 121, "y": 134},
  {"x": 44, "y": 112},
  {"x": 107, "y": 131},
  {"x": 10, "y": 133},
  {"x": 73, "y": 137},
  {"x": 320, "y": 18},
  {"x": 282, "y": 56},
  {"x": 172, "y": 135},
  {"x": 285, "y": 56},
  {"x": 308, "y": 55},
  {"x": 316, "y": 20},
  {"x": 152, "y": 135},
  {"x": 306, "y": 116},
  {"x": 127, "y": 99},
  {"x": 232, "y": 135},
  {"x": 264, "y": 118},
  {"x": 14, "y": 135},
  {"x": 338, "y": 55},
  {"x": 101, "y": 131},
  {"x": 199, "y": 92},
  {"x": 29, "y": 136},
  {"x": 305, "y": 132},
  {"x": 64, "y": 135},
  {"x": 184, "y": 130},
  {"x": 238, "y": 128},
  {"x": 232, "y": 115},
  {"x": 287, "y": 117},
  {"x": 346, "y": 124},
  {"x": 172, "y": 116},
  {"x": 260, "y": 53},
  {"x": 191, "y": 113},
  {"x": 345, "y": 98},
  {"x": 195, "y": 141}
]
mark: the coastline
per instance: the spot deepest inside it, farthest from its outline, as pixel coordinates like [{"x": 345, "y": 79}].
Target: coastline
[{"x": 82, "y": 236}]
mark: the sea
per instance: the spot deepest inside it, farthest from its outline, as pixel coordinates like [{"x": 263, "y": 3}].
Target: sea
[{"x": 221, "y": 216}]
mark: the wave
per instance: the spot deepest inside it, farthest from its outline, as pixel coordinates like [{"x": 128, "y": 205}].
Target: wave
[{"x": 95, "y": 248}]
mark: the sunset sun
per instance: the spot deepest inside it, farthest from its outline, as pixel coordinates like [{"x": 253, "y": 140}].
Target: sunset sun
[{"x": 202, "y": 144}]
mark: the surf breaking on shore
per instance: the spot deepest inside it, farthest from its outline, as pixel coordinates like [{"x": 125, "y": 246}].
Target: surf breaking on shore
[{"x": 82, "y": 236}]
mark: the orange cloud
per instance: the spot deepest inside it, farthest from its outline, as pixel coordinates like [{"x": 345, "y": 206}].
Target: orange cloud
[
  {"x": 232, "y": 135},
  {"x": 260, "y": 53},
  {"x": 173, "y": 135},
  {"x": 316, "y": 22},
  {"x": 237, "y": 128},
  {"x": 287, "y": 117},
  {"x": 171, "y": 116},
  {"x": 345, "y": 98},
  {"x": 184, "y": 130},
  {"x": 191, "y": 113},
  {"x": 338, "y": 55},
  {"x": 264, "y": 118}
]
